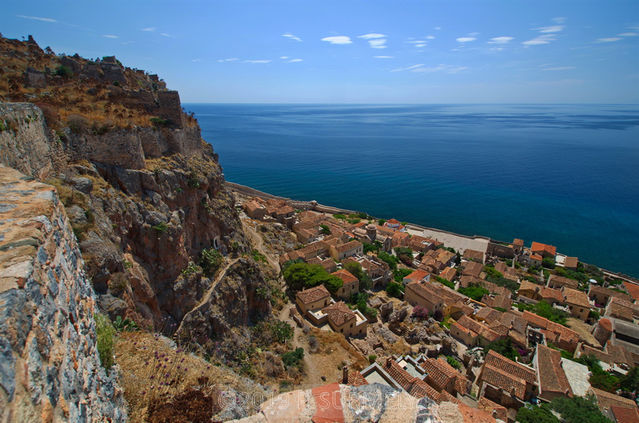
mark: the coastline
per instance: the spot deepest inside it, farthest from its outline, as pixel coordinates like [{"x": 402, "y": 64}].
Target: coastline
[{"x": 413, "y": 228}]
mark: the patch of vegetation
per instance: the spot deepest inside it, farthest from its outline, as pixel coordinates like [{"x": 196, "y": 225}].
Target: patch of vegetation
[
  {"x": 578, "y": 410},
  {"x": 340, "y": 216},
  {"x": 475, "y": 292},
  {"x": 268, "y": 332},
  {"x": 210, "y": 261},
  {"x": 503, "y": 347},
  {"x": 64, "y": 71},
  {"x": 324, "y": 229},
  {"x": 191, "y": 269},
  {"x": 356, "y": 270},
  {"x": 105, "y": 340},
  {"x": 400, "y": 274},
  {"x": 301, "y": 275},
  {"x": 161, "y": 227},
  {"x": 194, "y": 181},
  {"x": 78, "y": 124},
  {"x": 445, "y": 282},
  {"x": 453, "y": 362},
  {"x": 158, "y": 121},
  {"x": 381, "y": 222},
  {"x": 395, "y": 289},
  {"x": 388, "y": 259},
  {"x": 405, "y": 255},
  {"x": 599, "y": 378},
  {"x": 293, "y": 358},
  {"x": 125, "y": 325},
  {"x": 420, "y": 312},
  {"x": 372, "y": 358},
  {"x": 548, "y": 263},
  {"x": 257, "y": 256},
  {"x": 374, "y": 247}
]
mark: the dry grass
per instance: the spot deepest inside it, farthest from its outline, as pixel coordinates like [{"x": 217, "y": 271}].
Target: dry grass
[{"x": 154, "y": 373}]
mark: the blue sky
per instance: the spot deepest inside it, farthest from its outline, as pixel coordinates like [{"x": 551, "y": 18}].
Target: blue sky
[{"x": 362, "y": 51}]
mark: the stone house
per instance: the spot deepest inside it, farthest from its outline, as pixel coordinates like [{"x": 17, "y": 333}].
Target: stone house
[
  {"x": 312, "y": 299},
  {"x": 506, "y": 382},
  {"x": 351, "y": 248},
  {"x": 577, "y": 302},
  {"x": 343, "y": 320},
  {"x": 418, "y": 275},
  {"x": 350, "y": 286},
  {"x": 424, "y": 295},
  {"x": 552, "y": 379},
  {"x": 555, "y": 281},
  {"x": 543, "y": 250}
]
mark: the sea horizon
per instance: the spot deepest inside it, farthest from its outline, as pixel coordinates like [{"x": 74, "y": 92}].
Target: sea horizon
[{"x": 463, "y": 168}]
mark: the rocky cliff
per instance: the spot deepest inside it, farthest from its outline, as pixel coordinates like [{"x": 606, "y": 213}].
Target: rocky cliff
[
  {"x": 144, "y": 193},
  {"x": 49, "y": 364}
]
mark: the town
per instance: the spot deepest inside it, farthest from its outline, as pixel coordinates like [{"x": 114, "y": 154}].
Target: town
[{"x": 497, "y": 328}]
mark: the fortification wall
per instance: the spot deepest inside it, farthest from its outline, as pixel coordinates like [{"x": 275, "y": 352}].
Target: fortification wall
[{"x": 49, "y": 363}]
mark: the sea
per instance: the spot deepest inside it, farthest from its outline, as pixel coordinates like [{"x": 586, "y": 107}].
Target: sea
[{"x": 566, "y": 175}]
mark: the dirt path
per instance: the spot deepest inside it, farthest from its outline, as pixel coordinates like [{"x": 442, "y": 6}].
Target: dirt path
[{"x": 258, "y": 244}]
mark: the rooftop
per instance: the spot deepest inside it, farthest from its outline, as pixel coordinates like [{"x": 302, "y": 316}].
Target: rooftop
[
  {"x": 551, "y": 374},
  {"x": 346, "y": 276},
  {"x": 311, "y": 295}
]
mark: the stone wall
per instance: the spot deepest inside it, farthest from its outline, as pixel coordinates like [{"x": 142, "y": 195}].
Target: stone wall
[
  {"x": 49, "y": 364},
  {"x": 170, "y": 107},
  {"x": 20, "y": 122}
]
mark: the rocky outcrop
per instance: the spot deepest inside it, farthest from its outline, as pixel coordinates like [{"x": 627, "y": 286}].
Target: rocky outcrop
[
  {"x": 20, "y": 122},
  {"x": 370, "y": 403},
  {"x": 49, "y": 363}
]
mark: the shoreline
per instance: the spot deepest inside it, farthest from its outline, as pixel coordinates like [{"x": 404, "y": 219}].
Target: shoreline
[{"x": 474, "y": 239}]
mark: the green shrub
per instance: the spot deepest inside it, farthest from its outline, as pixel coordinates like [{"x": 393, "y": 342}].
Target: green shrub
[
  {"x": 210, "y": 260},
  {"x": 157, "y": 121},
  {"x": 161, "y": 227},
  {"x": 64, "y": 71},
  {"x": 389, "y": 259},
  {"x": 372, "y": 358},
  {"x": 191, "y": 269},
  {"x": 324, "y": 229},
  {"x": 446, "y": 282},
  {"x": 126, "y": 325},
  {"x": 454, "y": 363},
  {"x": 475, "y": 292},
  {"x": 293, "y": 358},
  {"x": 395, "y": 289},
  {"x": 257, "y": 256},
  {"x": 400, "y": 274},
  {"x": 105, "y": 335}
]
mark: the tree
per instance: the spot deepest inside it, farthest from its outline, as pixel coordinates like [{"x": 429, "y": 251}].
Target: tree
[
  {"x": 210, "y": 260},
  {"x": 578, "y": 410},
  {"x": 332, "y": 283},
  {"x": 395, "y": 289},
  {"x": 503, "y": 347},
  {"x": 390, "y": 260},
  {"x": 300, "y": 275},
  {"x": 405, "y": 255},
  {"x": 630, "y": 381},
  {"x": 356, "y": 270},
  {"x": 544, "y": 309},
  {"x": 475, "y": 292},
  {"x": 548, "y": 263},
  {"x": 325, "y": 229},
  {"x": 534, "y": 414}
]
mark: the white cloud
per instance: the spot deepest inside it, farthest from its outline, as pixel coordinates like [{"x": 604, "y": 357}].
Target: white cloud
[
  {"x": 421, "y": 68},
  {"x": 291, "y": 36},
  {"x": 196, "y": 60},
  {"x": 465, "y": 39},
  {"x": 37, "y": 18},
  {"x": 257, "y": 61},
  {"x": 110, "y": 36},
  {"x": 608, "y": 39},
  {"x": 418, "y": 43},
  {"x": 377, "y": 43},
  {"x": 557, "y": 68},
  {"x": 371, "y": 36},
  {"x": 230, "y": 59},
  {"x": 559, "y": 20},
  {"x": 540, "y": 40},
  {"x": 338, "y": 39},
  {"x": 382, "y": 57},
  {"x": 430, "y": 37},
  {"x": 500, "y": 40},
  {"x": 441, "y": 68},
  {"x": 437, "y": 28},
  {"x": 408, "y": 68},
  {"x": 164, "y": 34},
  {"x": 149, "y": 29},
  {"x": 295, "y": 60},
  {"x": 627, "y": 34},
  {"x": 550, "y": 29}
]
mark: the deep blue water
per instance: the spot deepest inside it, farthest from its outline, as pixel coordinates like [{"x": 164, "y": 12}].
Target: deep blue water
[{"x": 566, "y": 175}]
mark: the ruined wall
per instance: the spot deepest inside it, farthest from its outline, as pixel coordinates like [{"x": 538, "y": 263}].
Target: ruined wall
[{"x": 49, "y": 364}]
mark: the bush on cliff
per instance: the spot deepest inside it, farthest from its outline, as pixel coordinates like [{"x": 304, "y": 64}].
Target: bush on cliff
[
  {"x": 299, "y": 276},
  {"x": 105, "y": 333},
  {"x": 210, "y": 260}
]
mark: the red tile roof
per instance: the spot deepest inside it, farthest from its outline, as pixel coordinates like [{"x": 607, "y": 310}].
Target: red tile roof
[
  {"x": 625, "y": 414},
  {"x": 499, "y": 378},
  {"x": 497, "y": 360},
  {"x": 346, "y": 276},
  {"x": 310, "y": 295},
  {"x": 552, "y": 378},
  {"x": 579, "y": 298},
  {"x": 339, "y": 313},
  {"x": 606, "y": 400},
  {"x": 538, "y": 247},
  {"x": 416, "y": 276},
  {"x": 633, "y": 290}
]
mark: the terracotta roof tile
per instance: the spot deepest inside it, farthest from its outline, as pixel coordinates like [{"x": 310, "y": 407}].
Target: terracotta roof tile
[
  {"x": 579, "y": 298},
  {"x": 339, "y": 313},
  {"x": 538, "y": 247},
  {"x": 633, "y": 290},
  {"x": 519, "y": 370},
  {"x": 310, "y": 295},
  {"x": 501, "y": 379},
  {"x": 625, "y": 414},
  {"x": 552, "y": 377},
  {"x": 346, "y": 276}
]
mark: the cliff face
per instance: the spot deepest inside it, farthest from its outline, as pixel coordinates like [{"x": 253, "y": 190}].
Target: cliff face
[{"x": 49, "y": 363}]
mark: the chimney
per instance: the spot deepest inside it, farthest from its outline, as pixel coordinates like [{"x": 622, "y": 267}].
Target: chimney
[{"x": 345, "y": 375}]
